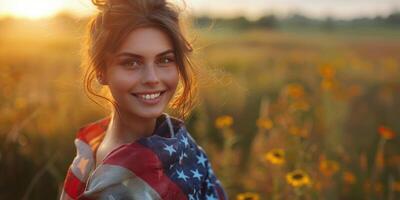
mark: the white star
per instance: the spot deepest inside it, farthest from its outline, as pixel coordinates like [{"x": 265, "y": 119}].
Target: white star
[
  {"x": 211, "y": 197},
  {"x": 170, "y": 149},
  {"x": 192, "y": 196},
  {"x": 185, "y": 140},
  {"x": 171, "y": 166},
  {"x": 201, "y": 160},
  {"x": 183, "y": 155},
  {"x": 209, "y": 184},
  {"x": 196, "y": 174},
  {"x": 182, "y": 175},
  {"x": 111, "y": 197},
  {"x": 210, "y": 171}
]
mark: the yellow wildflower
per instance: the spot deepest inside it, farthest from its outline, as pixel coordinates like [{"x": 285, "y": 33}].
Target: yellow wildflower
[
  {"x": 328, "y": 167},
  {"x": 298, "y": 178},
  {"x": 264, "y": 123},
  {"x": 327, "y": 72},
  {"x": 248, "y": 196},
  {"x": 349, "y": 177},
  {"x": 224, "y": 121},
  {"x": 295, "y": 90},
  {"x": 275, "y": 156},
  {"x": 386, "y": 133}
]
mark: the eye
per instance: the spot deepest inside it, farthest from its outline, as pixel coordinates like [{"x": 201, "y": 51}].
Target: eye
[
  {"x": 131, "y": 63},
  {"x": 166, "y": 60}
]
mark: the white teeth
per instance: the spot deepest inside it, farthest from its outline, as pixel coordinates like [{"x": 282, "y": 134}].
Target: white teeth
[{"x": 150, "y": 96}]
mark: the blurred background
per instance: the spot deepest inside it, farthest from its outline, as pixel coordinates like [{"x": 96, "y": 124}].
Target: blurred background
[{"x": 303, "y": 100}]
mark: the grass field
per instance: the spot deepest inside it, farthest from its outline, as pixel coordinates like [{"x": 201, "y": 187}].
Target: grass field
[{"x": 284, "y": 114}]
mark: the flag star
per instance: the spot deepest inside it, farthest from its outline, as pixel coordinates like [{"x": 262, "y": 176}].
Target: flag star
[
  {"x": 196, "y": 174},
  {"x": 171, "y": 166},
  {"x": 201, "y": 160},
  {"x": 191, "y": 197},
  {"x": 185, "y": 140},
  {"x": 170, "y": 149},
  {"x": 209, "y": 184},
  {"x": 210, "y": 171},
  {"x": 194, "y": 196},
  {"x": 211, "y": 197},
  {"x": 182, "y": 175},
  {"x": 111, "y": 197},
  {"x": 185, "y": 155}
]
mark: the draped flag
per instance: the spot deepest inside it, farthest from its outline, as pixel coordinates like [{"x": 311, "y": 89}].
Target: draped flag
[{"x": 167, "y": 165}]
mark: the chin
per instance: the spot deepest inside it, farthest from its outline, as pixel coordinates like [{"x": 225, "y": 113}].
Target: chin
[{"x": 148, "y": 113}]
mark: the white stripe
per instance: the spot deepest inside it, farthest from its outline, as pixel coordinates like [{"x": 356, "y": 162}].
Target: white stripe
[
  {"x": 171, "y": 128},
  {"x": 116, "y": 182},
  {"x": 83, "y": 162}
]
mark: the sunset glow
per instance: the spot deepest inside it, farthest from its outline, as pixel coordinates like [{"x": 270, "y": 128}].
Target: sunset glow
[
  {"x": 32, "y": 9},
  {"x": 35, "y": 9}
]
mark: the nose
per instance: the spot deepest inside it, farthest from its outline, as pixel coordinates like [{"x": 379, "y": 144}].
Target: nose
[{"x": 150, "y": 76}]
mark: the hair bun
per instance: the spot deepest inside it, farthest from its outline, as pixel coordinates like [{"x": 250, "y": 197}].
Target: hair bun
[
  {"x": 136, "y": 5},
  {"x": 100, "y": 4}
]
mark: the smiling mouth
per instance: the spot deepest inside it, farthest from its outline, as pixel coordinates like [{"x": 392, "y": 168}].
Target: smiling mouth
[{"x": 149, "y": 96}]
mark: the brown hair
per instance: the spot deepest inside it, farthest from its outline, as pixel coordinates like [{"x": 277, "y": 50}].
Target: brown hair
[{"x": 115, "y": 20}]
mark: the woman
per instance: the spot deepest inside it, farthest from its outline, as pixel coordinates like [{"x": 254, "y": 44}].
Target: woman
[{"x": 136, "y": 51}]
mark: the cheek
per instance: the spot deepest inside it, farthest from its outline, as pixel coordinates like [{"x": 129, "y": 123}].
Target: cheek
[
  {"x": 119, "y": 80},
  {"x": 172, "y": 78}
]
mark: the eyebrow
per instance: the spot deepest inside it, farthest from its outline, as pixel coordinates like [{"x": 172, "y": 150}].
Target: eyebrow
[{"x": 139, "y": 56}]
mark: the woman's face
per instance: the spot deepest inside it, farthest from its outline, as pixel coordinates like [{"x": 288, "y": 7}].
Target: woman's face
[{"x": 142, "y": 76}]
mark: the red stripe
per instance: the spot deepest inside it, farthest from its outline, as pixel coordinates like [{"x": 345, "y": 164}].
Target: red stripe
[
  {"x": 92, "y": 130},
  {"x": 221, "y": 193},
  {"x": 145, "y": 164},
  {"x": 72, "y": 185}
]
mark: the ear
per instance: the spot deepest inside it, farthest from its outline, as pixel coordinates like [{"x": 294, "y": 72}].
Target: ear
[{"x": 101, "y": 79}]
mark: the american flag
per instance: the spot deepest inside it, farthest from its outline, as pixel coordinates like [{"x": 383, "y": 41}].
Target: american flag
[{"x": 167, "y": 165}]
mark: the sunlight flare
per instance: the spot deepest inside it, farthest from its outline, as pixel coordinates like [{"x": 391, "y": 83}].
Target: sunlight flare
[{"x": 32, "y": 9}]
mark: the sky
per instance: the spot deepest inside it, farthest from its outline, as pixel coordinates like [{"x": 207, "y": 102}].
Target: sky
[{"x": 342, "y": 9}]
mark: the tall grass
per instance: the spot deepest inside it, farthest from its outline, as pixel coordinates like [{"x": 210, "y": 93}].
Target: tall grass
[{"x": 306, "y": 115}]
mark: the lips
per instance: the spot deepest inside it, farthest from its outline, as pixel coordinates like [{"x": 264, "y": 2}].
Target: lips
[{"x": 150, "y": 95}]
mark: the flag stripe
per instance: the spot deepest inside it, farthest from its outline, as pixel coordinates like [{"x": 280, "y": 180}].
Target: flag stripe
[
  {"x": 151, "y": 168},
  {"x": 221, "y": 192},
  {"x": 92, "y": 130},
  {"x": 74, "y": 187},
  {"x": 116, "y": 182},
  {"x": 84, "y": 154},
  {"x": 145, "y": 164}
]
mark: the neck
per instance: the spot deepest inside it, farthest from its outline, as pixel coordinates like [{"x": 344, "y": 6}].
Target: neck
[{"x": 124, "y": 128}]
